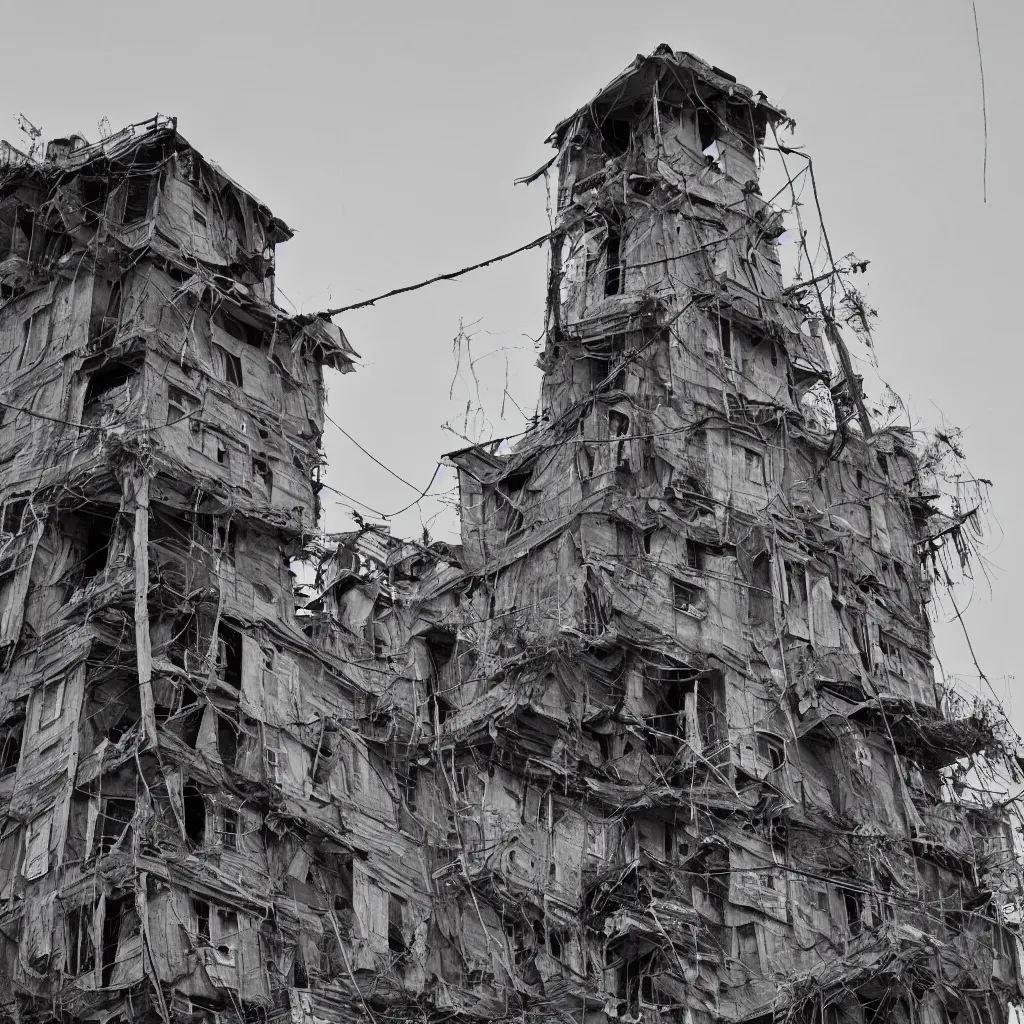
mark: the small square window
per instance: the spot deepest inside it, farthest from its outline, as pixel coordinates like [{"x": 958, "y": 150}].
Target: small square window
[
  {"x": 51, "y": 703},
  {"x": 199, "y": 217},
  {"x": 14, "y": 515},
  {"x": 754, "y": 463},
  {"x": 686, "y": 598}
]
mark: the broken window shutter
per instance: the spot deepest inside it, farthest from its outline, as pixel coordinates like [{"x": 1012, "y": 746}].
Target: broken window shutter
[{"x": 37, "y": 846}]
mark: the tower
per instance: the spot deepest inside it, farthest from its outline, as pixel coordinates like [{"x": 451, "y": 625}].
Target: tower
[
  {"x": 693, "y": 691},
  {"x": 159, "y": 473}
]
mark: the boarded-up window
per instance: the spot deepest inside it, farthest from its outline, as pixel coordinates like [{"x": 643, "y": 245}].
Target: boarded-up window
[
  {"x": 746, "y": 948},
  {"x": 824, "y": 620},
  {"x": 81, "y": 944},
  {"x": 760, "y": 603},
  {"x": 51, "y": 702},
  {"x": 37, "y": 849}
]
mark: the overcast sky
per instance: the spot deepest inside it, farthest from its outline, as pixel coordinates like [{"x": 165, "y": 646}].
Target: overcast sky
[{"x": 388, "y": 136}]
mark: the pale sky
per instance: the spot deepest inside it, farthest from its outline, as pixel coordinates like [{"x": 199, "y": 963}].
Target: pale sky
[{"x": 388, "y": 136}]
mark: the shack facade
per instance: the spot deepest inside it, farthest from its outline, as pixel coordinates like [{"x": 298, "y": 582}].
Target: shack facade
[{"x": 660, "y": 740}]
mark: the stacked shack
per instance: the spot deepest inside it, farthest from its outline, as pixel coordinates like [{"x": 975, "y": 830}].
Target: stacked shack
[
  {"x": 660, "y": 740},
  {"x": 159, "y": 458}
]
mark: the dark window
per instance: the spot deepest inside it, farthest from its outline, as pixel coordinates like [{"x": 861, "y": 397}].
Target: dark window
[
  {"x": 746, "y": 948},
  {"x": 852, "y": 901},
  {"x": 81, "y": 951},
  {"x": 707, "y": 127},
  {"x": 613, "y": 266},
  {"x": 228, "y": 537},
  {"x": 136, "y": 200},
  {"x": 14, "y": 515},
  {"x": 52, "y": 702},
  {"x": 615, "y": 134},
  {"x": 202, "y": 911},
  {"x": 685, "y": 598},
  {"x": 117, "y": 814},
  {"x": 113, "y": 917},
  {"x": 97, "y": 545},
  {"x": 181, "y": 404},
  {"x": 195, "y": 813},
  {"x": 725, "y": 336},
  {"x": 396, "y": 916},
  {"x": 229, "y": 655},
  {"x": 509, "y": 502},
  {"x": 110, "y": 377},
  {"x": 10, "y": 746},
  {"x": 227, "y": 740},
  {"x": 407, "y": 785},
  {"x": 261, "y": 468}
]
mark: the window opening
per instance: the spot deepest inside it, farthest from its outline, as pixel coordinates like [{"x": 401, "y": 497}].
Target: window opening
[
  {"x": 725, "y": 336},
  {"x": 81, "y": 951},
  {"x": 14, "y": 515},
  {"x": 136, "y": 200},
  {"x": 181, "y": 404},
  {"x": 615, "y": 134},
  {"x": 201, "y": 909},
  {"x": 229, "y": 655},
  {"x": 754, "y": 465},
  {"x": 613, "y": 263},
  {"x": 396, "y": 920},
  {"x": 117, "y": 816},
  {"x": 229, "y": 833},
  {"x": 51, "y": 703},
  {"x": 685, "y": 598},
  {"x": 116, "y": 913},
  {"x": 10, "y": 746},
  {"x": 707, "y": 128},
  {"x": 195, "y": 813}
]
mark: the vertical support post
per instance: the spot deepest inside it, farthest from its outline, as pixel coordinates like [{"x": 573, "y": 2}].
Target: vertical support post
[{"x": 139, "y": 497}]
